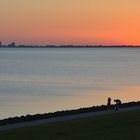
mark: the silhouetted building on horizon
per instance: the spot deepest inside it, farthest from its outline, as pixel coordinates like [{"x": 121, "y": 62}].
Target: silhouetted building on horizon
[
  {"x": 13, "y": 44},
  {"x": 0, "y": 44}
]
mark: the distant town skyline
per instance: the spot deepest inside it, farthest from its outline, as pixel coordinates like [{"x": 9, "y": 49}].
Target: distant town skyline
[{"x": 66, "y": 22}]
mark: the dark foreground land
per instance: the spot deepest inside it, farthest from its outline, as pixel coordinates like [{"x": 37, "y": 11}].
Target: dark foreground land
[
  {"x": 118, "y": 126},
  {"x": 36, "y": 117}
]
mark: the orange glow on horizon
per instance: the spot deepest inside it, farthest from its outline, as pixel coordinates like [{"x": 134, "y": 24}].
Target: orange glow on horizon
[{"x": 70, "y": 22}]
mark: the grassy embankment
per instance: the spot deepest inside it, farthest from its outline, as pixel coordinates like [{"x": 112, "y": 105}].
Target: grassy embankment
[{"x": 120, "y": 126}]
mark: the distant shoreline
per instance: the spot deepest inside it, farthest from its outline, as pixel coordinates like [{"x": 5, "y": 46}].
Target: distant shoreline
[{"x": 69, "y": 46}]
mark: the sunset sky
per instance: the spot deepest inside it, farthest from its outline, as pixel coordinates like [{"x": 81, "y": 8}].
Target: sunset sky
[{"x": 81, "y": 22}]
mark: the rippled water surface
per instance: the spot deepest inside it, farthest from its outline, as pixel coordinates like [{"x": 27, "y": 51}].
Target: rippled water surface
[{"x": 43, "y": 80}]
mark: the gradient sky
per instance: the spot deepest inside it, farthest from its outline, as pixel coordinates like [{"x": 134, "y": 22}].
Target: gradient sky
[{"x": 70, "y": 21}]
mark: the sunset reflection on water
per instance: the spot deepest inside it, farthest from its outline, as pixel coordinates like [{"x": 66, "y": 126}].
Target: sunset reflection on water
[{"x": 50, "y": 104}]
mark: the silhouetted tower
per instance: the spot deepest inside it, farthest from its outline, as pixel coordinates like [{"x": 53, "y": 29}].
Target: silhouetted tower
[
  {"x": 0, "y": 44},
  {"x": 12, "y": 44}
]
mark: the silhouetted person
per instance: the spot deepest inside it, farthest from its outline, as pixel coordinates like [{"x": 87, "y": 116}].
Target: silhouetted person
[
  {"x": 109, "y": 103},
  {"x": 117, "y": 105}
]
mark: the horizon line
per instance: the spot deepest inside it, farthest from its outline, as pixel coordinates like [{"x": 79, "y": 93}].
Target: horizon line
[{"x": 13, "y": 44}]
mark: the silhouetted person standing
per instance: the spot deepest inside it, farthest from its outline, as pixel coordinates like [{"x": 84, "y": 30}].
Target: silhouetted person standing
[
  {"x": 109, "y": 103},
  {"x": 117, "y": 105}
]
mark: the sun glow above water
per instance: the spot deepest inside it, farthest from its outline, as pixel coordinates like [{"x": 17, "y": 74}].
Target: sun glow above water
[{"x": 70, "y": 22}]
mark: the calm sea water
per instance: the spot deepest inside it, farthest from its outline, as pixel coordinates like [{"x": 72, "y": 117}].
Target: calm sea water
[{"x": 43, "y": 80}]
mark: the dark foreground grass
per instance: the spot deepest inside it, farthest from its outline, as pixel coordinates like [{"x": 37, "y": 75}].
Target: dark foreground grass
[{"x": 120, "y": 126}]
